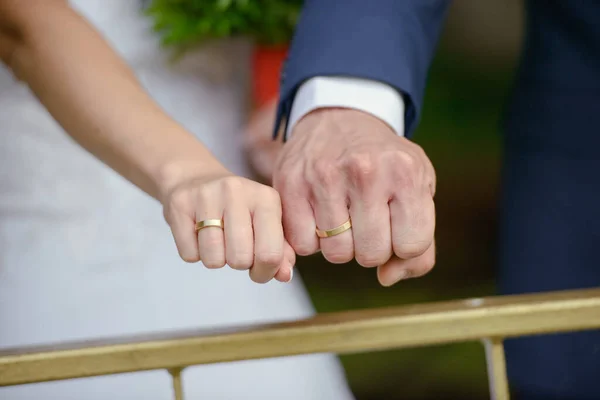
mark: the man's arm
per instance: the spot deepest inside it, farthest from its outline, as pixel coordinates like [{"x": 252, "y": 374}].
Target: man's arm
[
  {"x": 388, "y": 42},
  {"x": 343, "y": 162}
]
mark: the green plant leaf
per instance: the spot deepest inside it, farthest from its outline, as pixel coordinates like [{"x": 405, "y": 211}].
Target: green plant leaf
[{"x": 188, "y": 23}]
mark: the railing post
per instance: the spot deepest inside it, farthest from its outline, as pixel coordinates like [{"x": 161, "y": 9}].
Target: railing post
[
  {"x": 177, "y": 384},
  {"x": 496, "y": 366}
]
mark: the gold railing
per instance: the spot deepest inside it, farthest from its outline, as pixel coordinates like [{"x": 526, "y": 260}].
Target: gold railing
[{"x": 490, "y": 319}]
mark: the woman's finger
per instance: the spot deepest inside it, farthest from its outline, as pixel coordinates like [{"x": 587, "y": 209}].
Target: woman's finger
[
  {"x": 239, "y": 235},
  {"x": 285, "y": 273},
  {"x": 182, "y": 226},
  {"x": 268, "y": 238},
  {"x": 211, "y": 242}
]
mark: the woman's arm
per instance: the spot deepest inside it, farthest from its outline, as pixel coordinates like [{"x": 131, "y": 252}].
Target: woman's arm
[
  {"x": 96, "y": 98},
  {"x": 90, "y": 91}
]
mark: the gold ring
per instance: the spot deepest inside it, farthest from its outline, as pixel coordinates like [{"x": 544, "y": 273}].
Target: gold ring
[
  {"x": 335, "y": 231},
  {"x": 208, "y": 223}
]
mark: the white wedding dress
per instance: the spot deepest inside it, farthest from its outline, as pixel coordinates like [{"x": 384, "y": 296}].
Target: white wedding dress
[{"x": 86, "y": 255}]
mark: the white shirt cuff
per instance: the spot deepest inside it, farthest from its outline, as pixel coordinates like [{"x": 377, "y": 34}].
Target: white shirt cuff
[{"x": 373, "y": 97}]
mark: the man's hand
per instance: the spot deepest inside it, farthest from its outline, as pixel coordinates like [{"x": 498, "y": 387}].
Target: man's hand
[{"x": 342, "y": 164}]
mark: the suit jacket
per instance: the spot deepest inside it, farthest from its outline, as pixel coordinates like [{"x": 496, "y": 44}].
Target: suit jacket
[
  {"x": 551, "y": 219},
  {"x": 557, "y": 89}
]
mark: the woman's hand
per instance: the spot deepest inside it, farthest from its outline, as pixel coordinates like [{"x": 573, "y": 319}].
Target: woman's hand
[
  {"x": 50, "y": 47},
  {"x": 252, "y": 235},
  {"x": 258, "y": 137}
]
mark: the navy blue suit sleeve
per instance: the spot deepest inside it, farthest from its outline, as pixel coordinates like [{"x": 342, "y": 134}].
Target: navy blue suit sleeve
[{"x": 391, "y": 41}]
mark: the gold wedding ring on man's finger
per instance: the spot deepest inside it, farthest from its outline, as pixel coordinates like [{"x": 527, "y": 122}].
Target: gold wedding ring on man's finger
[
  {"x": 207, "y": 223},
  {"x": 335, "y": 231}
]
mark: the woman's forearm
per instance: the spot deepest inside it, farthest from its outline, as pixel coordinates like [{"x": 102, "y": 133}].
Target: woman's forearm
[{"x": 90, "y": 91}]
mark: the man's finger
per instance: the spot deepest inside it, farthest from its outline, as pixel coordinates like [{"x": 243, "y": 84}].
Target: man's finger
[
  {"x": 331, "y": 213},
  {"x": 372, "y": 231},
  {"x": 299, "y": 224},
  {"x": 397, "y": 269},
  {"x": 413, "y": 225}
]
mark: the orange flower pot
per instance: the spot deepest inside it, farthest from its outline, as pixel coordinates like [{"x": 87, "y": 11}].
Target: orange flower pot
[{"x": 267, "y": 62}]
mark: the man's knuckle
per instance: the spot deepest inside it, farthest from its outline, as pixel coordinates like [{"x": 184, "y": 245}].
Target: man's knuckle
[
  {"x": 326, "y": 172},
  {"x": 429, "y": 261},
  {"x": 302, "y": 247},
  {"x": 373, "y": 249},
  {"x": 404, "y": 181},
  {"x": 338, "y": 257},
  {"x": 362, "y": 167},
  {"x": 426, "y": 264},
  {"x": 404, "y": 160},
  {"x": 419, "y": 150},
  {"x": 410, "y": 250},
  {"x": 371, "y": 259},
  {"x": 403, "y": 169}
]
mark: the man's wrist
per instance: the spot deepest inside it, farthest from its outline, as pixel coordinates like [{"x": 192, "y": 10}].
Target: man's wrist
[{"x": 372, "y": 97}]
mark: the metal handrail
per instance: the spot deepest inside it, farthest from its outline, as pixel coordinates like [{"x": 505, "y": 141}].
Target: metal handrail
[{"x": 490, "y": 319}]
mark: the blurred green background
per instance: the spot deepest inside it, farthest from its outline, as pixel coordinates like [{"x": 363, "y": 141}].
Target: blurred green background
[{"x": 468, "y": 83}]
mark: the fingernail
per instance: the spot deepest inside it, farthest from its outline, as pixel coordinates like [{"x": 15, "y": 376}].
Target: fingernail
[
  {"x": 397, "y": 276},
  {"x": 291, "y": 275}
]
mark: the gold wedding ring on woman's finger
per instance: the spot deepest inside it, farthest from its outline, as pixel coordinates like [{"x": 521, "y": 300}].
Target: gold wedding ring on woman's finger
[
  {"x": 335, "y": 231},
  {"x": 207, "y": 223}
]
